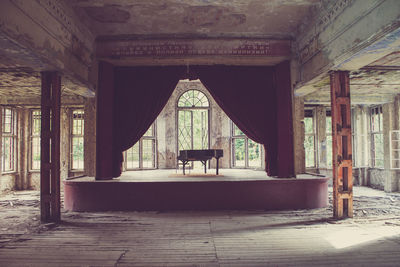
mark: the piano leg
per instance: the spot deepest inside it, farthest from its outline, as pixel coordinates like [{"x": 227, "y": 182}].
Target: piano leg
[
  {"x": 217, "y": 165},
  {"x": 183, "y": 163}
]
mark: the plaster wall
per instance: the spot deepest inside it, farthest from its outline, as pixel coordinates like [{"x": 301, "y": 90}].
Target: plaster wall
[
  {"x": 298, "y": 135},
  {"x": 377, "y": 178},
  {"x": 7, "y": 182}
]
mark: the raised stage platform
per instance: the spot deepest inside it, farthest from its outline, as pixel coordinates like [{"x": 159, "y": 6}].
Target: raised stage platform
[{"x": 162, "y": 190}]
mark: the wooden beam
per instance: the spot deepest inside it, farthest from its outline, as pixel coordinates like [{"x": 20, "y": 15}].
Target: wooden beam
[
  {"x": 50, "y": 147},
  {"x": 341, "y": 145}
]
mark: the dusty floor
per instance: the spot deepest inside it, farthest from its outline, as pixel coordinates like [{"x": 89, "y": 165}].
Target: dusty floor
[{"x": 377, "y": 216}]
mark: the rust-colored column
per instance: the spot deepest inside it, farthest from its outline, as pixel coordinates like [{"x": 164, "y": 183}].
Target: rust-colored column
[
  {"x": 50, "y": 147},
  {"x": 341, "y": 145}
]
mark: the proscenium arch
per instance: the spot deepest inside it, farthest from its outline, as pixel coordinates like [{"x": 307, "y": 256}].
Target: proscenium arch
[{"x": 192, "y": 104}]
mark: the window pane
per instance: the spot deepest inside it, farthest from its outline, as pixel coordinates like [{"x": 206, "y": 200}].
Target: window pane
[
  {"x": 78, "y": 122},
  {"x": 308, "y": 125},
  {"x": 329, "y": 151},
  {"x": 77, "y": 139},
  {"x": 239, "y": 152},
  {"x": 148, "y": 153},
  {"x": 254, "y": 156},
  {"x": 36, "y": 121},
  {"x": 378, "y": 153},
  {"x": 328, "y": 125},
  {"x": 193, "y": 98},
  {"x": 132, "y": 157},
  {"x": 77, "y": 153},
  {"x": 237, "y": 131},
  {"x": 8, "y": 153},
  {"x": 309, "y": 150},
  {"x": 7, "y": 120},
  {"x": 35, "y": 161},
  {"x": 149, "y": 132}
]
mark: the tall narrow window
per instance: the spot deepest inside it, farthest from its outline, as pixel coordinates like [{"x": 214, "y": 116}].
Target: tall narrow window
[
  {"x": 193, "y": 122},
  {"x": 143, "y": 154},
  {"x": 9, "y": 139},
  {"x": 309, "y": 139},
  {"x": 354, "y": 138},
  {"x": 328, "y": 140},
  {"x": 77, "y": 137},
  {"x": 377, "y": 137},
  {"x": 245, "y": 152},
  {"x": 35, "y": 139}
]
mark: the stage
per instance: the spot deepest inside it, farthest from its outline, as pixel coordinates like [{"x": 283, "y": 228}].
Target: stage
[{"x": 162, "y": 190}]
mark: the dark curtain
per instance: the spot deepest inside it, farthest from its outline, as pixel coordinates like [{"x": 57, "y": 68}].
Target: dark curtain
[
  {"x": 248, "y": 97},
  {"x": 140, "y": 95}
]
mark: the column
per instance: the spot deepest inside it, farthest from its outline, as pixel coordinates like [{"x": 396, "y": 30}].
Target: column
[
  {"x": 105, "y": 122},
  {"x": 341, "y": 145},
  {"x": 285, "y": 151},
  {"x": 50, "y": 147}
]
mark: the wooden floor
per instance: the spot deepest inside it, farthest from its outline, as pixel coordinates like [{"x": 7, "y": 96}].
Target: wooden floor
[{"x": 223, "y": 238}]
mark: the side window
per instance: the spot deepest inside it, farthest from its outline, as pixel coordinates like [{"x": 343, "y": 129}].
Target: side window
[
  {"x": 245, "y": 152},
  {"x": 9, "y": 139},
  {"x": 77, "y": 139},
  {"x": 328, "y": 140},
  {"x": 143, "y": 154},
  {"x": 35, "y": 140},
  {"x": 309, "y": 139},
  {"x": 376, "y": 136}
]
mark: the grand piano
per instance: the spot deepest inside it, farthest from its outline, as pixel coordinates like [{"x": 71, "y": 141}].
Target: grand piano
[{"x": 203, "y": 155}]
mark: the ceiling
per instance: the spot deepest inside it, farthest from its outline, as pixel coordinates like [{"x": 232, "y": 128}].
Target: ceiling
[
  {"x": 152, "y": 19},
  {"x": 193, "y": 18},
  {"x": 376, "y": 83},
  {"x": 25, "y": 84}
]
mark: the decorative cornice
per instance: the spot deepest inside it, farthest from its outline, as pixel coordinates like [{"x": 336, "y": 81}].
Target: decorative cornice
[{"x": 179, "y": 48}]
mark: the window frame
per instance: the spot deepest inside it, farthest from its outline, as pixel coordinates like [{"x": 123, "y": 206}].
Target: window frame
[
  {"x": 373, "y": 133},
  {"x": 72, "y": 136},
  {"x": 314, "y": 135},
  {"x": 153, "y": 138},
  {"x": 13, "y": 134},
  {"x": 234, "y": 137},
  {"x": 33, "y": 136}
]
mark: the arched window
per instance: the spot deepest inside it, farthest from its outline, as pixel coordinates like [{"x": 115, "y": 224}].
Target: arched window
[
  {"x": 193, "y": 120},
  {"x": 192, "y": 99}
]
